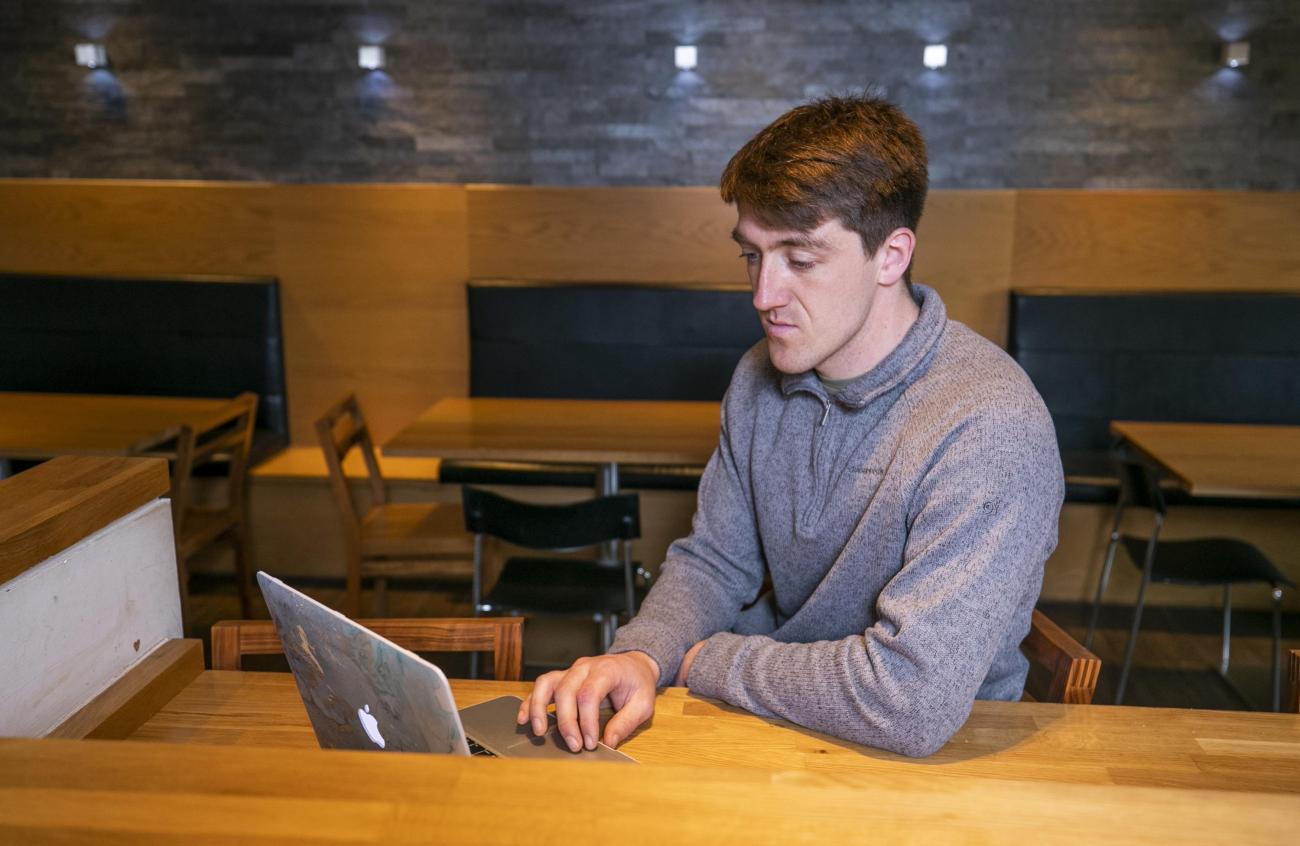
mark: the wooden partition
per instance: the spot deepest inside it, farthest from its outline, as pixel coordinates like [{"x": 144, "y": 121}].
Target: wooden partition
[{"x": 373, "y": 276}]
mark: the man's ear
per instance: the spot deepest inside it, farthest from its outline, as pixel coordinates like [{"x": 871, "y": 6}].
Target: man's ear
[{"x": 895, "y": 255}]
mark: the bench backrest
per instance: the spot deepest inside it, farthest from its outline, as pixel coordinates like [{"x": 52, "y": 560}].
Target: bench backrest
[
  {"x": 164, "y": 337},
  {"x": 598, "y": 341},
  {"x": 1213, "y": 356}
]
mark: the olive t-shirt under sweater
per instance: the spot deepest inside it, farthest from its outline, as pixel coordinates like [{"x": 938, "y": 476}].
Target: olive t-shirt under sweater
[{"x": 904, "y": 524}]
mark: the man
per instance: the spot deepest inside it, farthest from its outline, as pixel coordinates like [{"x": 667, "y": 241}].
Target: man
[{"x": 893, "y": 476}]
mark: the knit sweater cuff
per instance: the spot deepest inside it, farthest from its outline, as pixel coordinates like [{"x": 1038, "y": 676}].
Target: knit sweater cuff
[
  {"x": 713, "y": 665},
  {"x": 655, "y": 641}
]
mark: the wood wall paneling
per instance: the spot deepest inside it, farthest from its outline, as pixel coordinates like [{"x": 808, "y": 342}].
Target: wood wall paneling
[
  {"x": 1157, "y": 239},
  {"x": 964, "y": 252},
  {"x": 146, "y": 228},
  {"x": 374, "y": 299},
  {"x": 677, "y": 235}
]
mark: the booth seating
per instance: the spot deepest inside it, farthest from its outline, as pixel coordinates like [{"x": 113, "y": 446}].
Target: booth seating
[
  {"x": 1173, "y": 356},
  {"x": 601, "y": 341},
  {"x": 185, "y": 337}
]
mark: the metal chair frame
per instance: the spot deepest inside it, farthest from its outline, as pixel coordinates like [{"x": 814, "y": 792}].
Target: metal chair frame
[{"x": 1139, "y": 488}]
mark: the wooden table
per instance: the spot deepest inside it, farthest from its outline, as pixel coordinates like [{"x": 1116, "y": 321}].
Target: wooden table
[
  {"x": 40, "y": 425},
  {"x": 603, "y": 432},
  {"x": 1213, "y": 459},
  {"x": 709, "y": 774},
  {"x": 1074, "y": 744}
]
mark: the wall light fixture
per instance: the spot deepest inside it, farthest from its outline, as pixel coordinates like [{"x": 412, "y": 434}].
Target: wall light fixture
[
  {"x": 91, "y": 55},
  {"x": 686, "y": 57},
  {"x": 370, "y": 56},
  {"x": 1235, "y": 54},
  {"x": 935, "y": 56}
]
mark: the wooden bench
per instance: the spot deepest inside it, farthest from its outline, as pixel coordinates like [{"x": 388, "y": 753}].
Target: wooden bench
[
  {"x": 174, "y": 336},
  {"x": 619, "y": 341},
  {"x": 1170, "y": 356}
]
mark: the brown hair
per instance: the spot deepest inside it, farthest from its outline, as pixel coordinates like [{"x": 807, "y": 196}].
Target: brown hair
[{"x": 856, "y": 159}]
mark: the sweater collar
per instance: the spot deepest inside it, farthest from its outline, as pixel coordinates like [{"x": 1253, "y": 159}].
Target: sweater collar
[{"x": 903, "y": 364}]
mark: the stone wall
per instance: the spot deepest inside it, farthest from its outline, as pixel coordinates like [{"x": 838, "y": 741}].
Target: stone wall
[{"x": 1112, "y": 93}]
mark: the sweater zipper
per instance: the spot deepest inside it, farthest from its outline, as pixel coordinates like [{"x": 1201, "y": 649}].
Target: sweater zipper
[{"x": 815, "y": 504}]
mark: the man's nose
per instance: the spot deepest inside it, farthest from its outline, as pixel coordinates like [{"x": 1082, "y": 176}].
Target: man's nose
[{"x": 769, "y": 293}]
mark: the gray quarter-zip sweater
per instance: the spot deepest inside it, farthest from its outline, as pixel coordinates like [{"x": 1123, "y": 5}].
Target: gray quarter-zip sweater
[{"x": 903, "y": 523}]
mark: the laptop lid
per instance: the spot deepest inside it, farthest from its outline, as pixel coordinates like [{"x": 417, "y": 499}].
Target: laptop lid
[{"x": 361, "y": 690}]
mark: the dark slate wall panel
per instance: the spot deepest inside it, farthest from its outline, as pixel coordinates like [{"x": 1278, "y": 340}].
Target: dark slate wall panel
[{"x": 1112, "y": 93}]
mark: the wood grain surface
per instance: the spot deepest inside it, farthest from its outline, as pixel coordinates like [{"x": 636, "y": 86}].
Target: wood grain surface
[
  {"x": 1227, "y": 460},
  {"x": 648, "y": 432},
  {"x": 54, "y": 505},
  {"x": 130, "y": 701},
  {"x": 101, "y": 791},
  {"x": 38, "y": 425},
  {"x": 674, "y": 235},
  {"x": 373, "y": 283},
  {"x": 1157, "y": 239},
  {"x": 124, "y": 227},
  {"x": 1023, "y": 741}
]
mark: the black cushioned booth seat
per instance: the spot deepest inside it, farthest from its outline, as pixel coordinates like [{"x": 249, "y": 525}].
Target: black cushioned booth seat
[
  {"x": 187, "y": 337},
  {"x": 601, "y": 341},
  {"x": 1176, "y": 356}
]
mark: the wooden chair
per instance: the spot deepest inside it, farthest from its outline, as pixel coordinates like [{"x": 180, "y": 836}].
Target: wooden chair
[
  {"x": 1060, "y": 668},
  {"x": 502, "y": 636},
  {"x": 389, "y": 539},
  {"x": 1293, "y": 688},
  {"x": 225, "y": 439}
]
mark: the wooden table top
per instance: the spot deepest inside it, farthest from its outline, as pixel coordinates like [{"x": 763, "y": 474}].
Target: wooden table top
[
  {"x": 1214, "y": 459},
  {"x": 1036, "y": 742},
  {"x": 39, "y": 425},
  {"x": 62, "y": 791},
  {"x": 588, "y": 431}
]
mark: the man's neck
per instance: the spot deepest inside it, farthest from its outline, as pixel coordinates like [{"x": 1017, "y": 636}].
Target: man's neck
[{"x": 891, "y": 316}]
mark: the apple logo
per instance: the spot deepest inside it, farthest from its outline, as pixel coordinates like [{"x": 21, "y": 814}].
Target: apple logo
[{"x": 371, "y": 726}]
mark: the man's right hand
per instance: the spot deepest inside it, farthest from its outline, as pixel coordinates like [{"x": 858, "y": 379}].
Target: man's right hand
[{"x": 628, "y": 679}]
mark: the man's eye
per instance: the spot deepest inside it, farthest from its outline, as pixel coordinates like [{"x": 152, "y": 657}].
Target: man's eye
[
  {"x": 801, "y": 265},
  {"x": 749, "y": 257}
]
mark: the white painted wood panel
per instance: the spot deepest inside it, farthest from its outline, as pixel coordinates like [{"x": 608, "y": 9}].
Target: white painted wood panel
[{"x": 76, "y": 622}]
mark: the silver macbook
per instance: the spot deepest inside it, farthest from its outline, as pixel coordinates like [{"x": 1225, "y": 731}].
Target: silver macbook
[{"x": 365, "y": 692}]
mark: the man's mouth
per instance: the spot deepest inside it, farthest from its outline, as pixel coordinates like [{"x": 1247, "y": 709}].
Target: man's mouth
[{"x": 778, "y": 329}]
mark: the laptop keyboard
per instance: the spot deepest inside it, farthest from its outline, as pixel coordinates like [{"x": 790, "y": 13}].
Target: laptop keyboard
[{"x": 475, "y": 749}]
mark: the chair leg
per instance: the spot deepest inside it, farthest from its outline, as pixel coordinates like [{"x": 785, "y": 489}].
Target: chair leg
[
  {"x": 476, "y": 595},
  {"x": 608, "y": 624},
  {"x": 1227, "y": 631},
  {"x": 381, "y": 597},
  {"x": 354, "y": 584},
  {"x": 242, "y": 575},
  {"x": 1277, "y": 648},
  {"x": 1104, "y": 579},
  {"x": 1147, "y": 564}
]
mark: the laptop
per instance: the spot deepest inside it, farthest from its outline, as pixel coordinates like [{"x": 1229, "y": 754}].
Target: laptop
[{"x": 365, "y": 692}]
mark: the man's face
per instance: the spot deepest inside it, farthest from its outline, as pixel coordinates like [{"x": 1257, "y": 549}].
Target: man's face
[{"x": 813, "y": 291}]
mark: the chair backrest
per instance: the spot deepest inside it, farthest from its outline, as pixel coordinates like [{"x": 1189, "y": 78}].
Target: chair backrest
[
  {"x": 227, "y": 439},
  {"x": 555, "y": 527},
  {"x": 1060, "y": 668},
  {"x": 340, "y": 429},
  {"x": 502, "y": 636},
  {"x": 1293, "y": 686}
]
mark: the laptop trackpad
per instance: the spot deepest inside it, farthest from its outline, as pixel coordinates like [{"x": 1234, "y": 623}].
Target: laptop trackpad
[{"x": 493, "y": 725}]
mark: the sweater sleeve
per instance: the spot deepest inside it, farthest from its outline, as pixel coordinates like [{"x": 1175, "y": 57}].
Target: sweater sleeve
[
  {"x": 982, "y": 522},
  {"x": 708, "y": 576}
]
